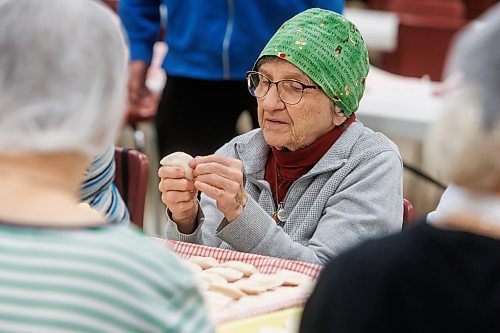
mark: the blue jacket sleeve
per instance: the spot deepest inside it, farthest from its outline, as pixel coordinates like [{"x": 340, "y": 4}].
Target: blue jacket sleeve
[
  {"x": 141, "y": 19},
  {"x": 334, "y": 5}
]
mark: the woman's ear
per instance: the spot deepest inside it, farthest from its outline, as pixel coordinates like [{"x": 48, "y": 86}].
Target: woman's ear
[{"x": 338, "y": 116}]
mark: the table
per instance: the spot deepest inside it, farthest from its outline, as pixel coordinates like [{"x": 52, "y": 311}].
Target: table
[
  {"x": 236, "y": 312},
  {"x": 398, "y": 106},
  {"x": 378, "y": 28},
  {"x": 284, "y": 321}
]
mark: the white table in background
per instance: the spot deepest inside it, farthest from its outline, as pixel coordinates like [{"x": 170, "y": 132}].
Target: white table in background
[
  {"x": 398, "y": 106},
  {"x": 378, "y": 28}
]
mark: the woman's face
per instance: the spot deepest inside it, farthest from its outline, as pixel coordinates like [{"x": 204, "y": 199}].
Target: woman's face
[{"x": 299, "y": 125}]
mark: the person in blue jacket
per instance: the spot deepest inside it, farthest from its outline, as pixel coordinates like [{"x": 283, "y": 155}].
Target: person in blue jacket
[{"x": 211, "y": 45}]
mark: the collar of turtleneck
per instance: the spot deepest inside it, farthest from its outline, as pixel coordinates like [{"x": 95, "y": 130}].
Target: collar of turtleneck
[{"x": 287, "y": 166}]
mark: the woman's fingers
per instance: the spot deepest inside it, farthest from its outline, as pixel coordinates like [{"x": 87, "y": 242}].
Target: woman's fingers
[
  {"x": 178, "y": 196},
  {"x": 170, "y": 172},
  {"x": 234, "y": 172},
  {"x": 183, "y": 206},
  {"x": 224, "y": 160},
  {"x": 226, "y": 200},
  {"x": 177, "y": 206},
  {"x": 219, "y": 182},
  {"x": 221, "y": 178},
  {"x": 182, "y": 184},
  {"x": 217, "y": 162},
  {"x": 213, "y": 192},
  {"x": 226, "y": 167},
  {"x": 230, "y": 197}
]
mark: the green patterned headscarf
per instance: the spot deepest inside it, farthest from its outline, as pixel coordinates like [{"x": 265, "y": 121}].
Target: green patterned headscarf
[{"x": 329, "y": 49}]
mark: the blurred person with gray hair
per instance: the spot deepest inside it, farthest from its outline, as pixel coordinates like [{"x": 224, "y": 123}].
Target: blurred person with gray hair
[
  {"x": 442, "y": 276},
  {"x": 62, "y": 267}
]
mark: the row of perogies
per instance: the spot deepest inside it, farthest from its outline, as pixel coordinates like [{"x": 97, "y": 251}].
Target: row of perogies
[{"x": 239, "y": 284}]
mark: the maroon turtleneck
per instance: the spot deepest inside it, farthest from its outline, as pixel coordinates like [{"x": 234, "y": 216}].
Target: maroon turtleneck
[{"x": 288, "y": 166}]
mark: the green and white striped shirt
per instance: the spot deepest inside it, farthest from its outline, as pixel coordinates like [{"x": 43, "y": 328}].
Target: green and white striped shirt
[{"x": 99, "y": 279}]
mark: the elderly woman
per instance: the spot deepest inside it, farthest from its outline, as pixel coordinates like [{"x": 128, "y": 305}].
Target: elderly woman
[
  {"x": 444, "y": 276},
  {"x": 312, "y": 181},
  {"x": 62, "y": 267}
]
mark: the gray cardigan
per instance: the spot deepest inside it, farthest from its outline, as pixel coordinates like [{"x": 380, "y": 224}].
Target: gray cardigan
[{"x": 353, "y": 193}]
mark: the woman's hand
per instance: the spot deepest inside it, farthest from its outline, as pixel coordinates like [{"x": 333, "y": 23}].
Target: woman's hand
[
  {"x": 221, "y": 178},
  {"x": 142, "y": 103},
  {"x": 179, "y": 194}
]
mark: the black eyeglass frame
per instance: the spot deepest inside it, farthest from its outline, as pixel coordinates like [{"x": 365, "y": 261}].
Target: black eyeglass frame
[{"x": 303, "y": 85}]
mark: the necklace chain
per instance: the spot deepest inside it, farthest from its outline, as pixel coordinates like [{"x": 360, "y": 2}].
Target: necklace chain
[
  {"x": 279, "y": 214},
  {"x": 276, "y": 193}
]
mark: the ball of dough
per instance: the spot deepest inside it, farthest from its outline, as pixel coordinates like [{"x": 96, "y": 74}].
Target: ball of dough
[{"x": 180, "y": 160}]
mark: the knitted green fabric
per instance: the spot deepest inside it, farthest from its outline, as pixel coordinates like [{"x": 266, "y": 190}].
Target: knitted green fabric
[{"x": 329, "y": 49}]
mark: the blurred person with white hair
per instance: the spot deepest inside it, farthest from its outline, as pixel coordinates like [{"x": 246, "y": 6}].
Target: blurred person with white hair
[
  {"x": 441, "y": 276},
  {"x": 62, "y": 267}
]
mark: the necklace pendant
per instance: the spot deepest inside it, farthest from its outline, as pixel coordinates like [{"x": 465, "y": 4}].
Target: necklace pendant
[{"x": 280, "y": 215}]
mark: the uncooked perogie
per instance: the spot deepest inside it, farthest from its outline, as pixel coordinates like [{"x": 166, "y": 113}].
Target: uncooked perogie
[
  {"x": 194, "y": 268},
  {"x": 229, "y": 274},
  {"x": 249, "y": 287},
  {"x": 204, "y": 262},
  {"x": 180, "y": 160},
  {"x": 215, "y": 301},
  {"x": 227, "y": 289},
  {"x": 246, "y": 268},
  {"x": 292, "y": 278},
  {"x": 266, "y": 281},
  {"x": 210, "y": 278}
]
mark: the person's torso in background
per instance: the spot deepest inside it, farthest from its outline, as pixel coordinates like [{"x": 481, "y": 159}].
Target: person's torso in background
[{"x": 221, "y": 39}]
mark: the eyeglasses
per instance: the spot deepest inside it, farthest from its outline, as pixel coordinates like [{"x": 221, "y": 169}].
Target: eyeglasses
[{"x": 290, "y": 91}]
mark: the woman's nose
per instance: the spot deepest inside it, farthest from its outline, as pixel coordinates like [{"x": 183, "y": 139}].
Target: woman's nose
[{"x": 272, "y": 101}]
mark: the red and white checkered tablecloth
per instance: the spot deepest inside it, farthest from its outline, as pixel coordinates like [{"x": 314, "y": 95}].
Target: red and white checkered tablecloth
[{"x": 266, "y": 265}]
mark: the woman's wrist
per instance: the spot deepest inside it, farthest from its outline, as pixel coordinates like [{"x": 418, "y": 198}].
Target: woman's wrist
[
  {"x": 239, "y": 209},
  {"x": 184, "y": 225}
]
